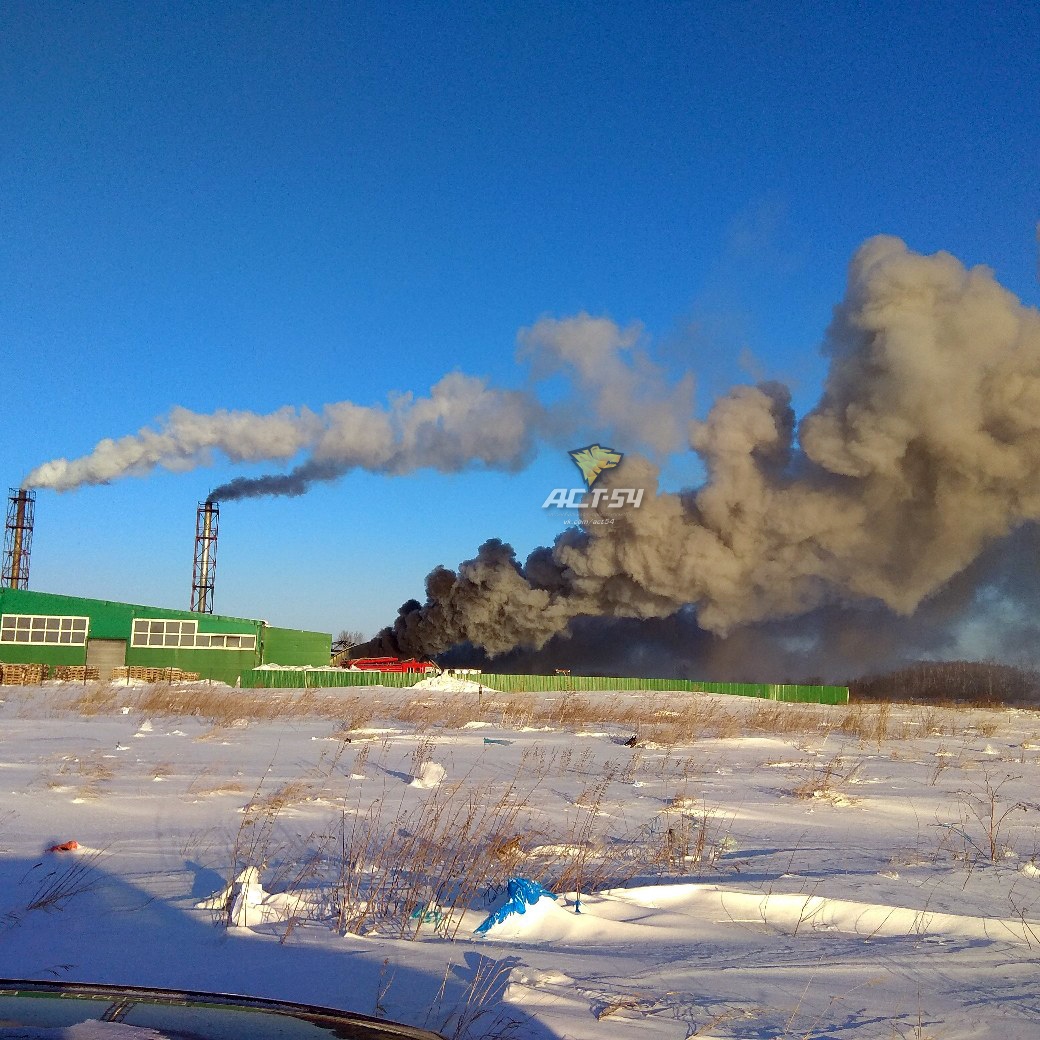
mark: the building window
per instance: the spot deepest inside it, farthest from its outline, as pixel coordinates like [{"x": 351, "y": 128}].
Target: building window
[
  {"x": 43, "y": 629},
  {"x": 152, "y": 632}
]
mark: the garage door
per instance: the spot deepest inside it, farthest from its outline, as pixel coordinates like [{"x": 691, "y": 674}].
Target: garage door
[{"x": 105, "y": 655}]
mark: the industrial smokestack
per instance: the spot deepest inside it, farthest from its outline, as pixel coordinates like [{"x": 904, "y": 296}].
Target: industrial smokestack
[
  {"x": 21, "y": 510},
  {"x": 205, "y": 557}
]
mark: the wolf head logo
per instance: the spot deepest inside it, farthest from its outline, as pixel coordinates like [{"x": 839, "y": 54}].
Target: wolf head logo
[{"x": 593, "y": 460}]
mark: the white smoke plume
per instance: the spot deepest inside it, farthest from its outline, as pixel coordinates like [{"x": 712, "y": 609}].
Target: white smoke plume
[
  {"x": 923, "y": 451},
  {"x": 463, "y": 422}
]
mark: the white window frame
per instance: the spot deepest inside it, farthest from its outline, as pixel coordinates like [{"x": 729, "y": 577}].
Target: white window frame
[
  {"x": 66, "y": 629},
  {"x": 179, "y": 633}
]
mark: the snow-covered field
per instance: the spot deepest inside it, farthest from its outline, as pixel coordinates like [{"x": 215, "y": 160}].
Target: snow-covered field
[{"x": 723, "y": 868}]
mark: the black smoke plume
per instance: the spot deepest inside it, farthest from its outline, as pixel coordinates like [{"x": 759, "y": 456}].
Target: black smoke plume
[{"x": 922, "y": 454}]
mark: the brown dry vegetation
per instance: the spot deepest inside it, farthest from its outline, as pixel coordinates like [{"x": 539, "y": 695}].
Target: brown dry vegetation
[
  {"x": 87, "y": 774},
  {"x": 661, "y": 719}
]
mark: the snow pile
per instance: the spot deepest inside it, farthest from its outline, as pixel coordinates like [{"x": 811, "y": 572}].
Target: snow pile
[
  {"x": 247, "y": 903},
  {"x": 430, "y": 775},
  {"x": 450, "y": 684}
]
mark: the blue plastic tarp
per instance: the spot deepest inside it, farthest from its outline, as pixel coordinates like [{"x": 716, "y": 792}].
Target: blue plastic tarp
[{"x": 522, "y": 892}]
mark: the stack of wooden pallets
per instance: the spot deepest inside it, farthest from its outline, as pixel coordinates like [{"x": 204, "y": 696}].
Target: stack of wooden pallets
[
  {"x": 22, "y": 674},
  {"x": 153, "y": 675},
  {"x": 74, "y": 672}
]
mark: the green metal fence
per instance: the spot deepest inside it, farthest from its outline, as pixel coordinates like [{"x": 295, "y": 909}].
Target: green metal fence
[
  {"x": 593, "y": 683},
  {"x": 336, "y": 677},
  {"x": 322, "y": 678}
]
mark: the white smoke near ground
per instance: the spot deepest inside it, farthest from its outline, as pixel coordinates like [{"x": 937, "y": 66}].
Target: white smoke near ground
[{"x": 923, "y": 451}]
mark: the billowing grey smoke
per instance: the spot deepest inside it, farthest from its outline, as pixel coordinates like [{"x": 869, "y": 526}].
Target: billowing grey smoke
[
  {"x": 463, "y": 423},
  {"x": 923, "y": 451}
]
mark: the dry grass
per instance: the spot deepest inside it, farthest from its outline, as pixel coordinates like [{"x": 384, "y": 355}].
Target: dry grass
[
  {"x": 89, "y": 699},
  {"x": 403, "y": 869},
  {"x": 662, "y": 719},
  {"x": 223, "y": 707},
  {"x": 695, "y": 835},
  {"x": 206, "y": 789},
  {"x": 399, "y": 871},
  {"x": 86, "y": 774},
  {"x": 828, "y": 780},
  {"x": 281, "y": 798},
  {"x": 987, "y": 816},
  {"x": 56, "y": 887},
  {"x": 162, "y": 770}
]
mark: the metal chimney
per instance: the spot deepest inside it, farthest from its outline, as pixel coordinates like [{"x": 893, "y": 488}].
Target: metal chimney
[
  {"x": 21, "y": 511},
  {"x": 205, "y": 557}
]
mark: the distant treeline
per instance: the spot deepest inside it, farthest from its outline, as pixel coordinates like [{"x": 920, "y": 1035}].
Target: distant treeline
[{"x": 977, "y": 682}]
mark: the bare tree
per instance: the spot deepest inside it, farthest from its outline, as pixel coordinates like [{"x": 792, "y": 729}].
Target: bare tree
[{"x": 347, "y": 639}]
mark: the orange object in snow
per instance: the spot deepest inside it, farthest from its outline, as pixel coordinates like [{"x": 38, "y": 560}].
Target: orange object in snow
[{"x": 65, "y": 846}]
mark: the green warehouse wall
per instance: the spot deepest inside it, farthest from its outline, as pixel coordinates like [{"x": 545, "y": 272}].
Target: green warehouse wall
[
  {"x": 115, "y": 621},
  {"x": 294, "y": 647}
]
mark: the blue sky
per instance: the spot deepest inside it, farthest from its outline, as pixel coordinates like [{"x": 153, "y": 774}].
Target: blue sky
[{"x": 245, "y": 206}]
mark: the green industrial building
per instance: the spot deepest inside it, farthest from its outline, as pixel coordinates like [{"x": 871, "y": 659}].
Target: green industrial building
[{"x": 54, "y": 630}]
